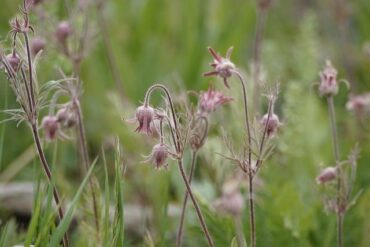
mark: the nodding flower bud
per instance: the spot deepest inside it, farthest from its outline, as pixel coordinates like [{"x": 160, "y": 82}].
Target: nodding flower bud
[
  {"x": 145, "y": 116},
  {"x": 326, "y": 175},
  {"x": 159, "y": 156},
  {"x": 360, "y": 104},
  {"x": 328, "y": 85},
  {"x": 66, "y": 117},
  {"x": 50, "y": 126},
  {"x": 37, "y": 44},
  {"x": 63, "y": 31},
  {"x": 223, "y": 67},
  {"x": 272, "y": 125},
  {"x": 209, "y": 101},
  {"x": 231, "y": 203},
  {"x": 13, "y": 61}
]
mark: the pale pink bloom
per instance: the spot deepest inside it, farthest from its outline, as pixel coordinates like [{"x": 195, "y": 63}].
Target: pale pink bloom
[
  {"x": 50, "y": 127},
  {"x": 210, "y": 100},
  {"x": 359, "y": 103},
  {"x": 326, "y": 175},
  {"x": 328, "y": 85},
  {"x": 223, "y": 67},
  {"x": 13, "y": 61},
  {"x": 273, "y": 124},
  {"x": 37, "y": 44},
  {"x": 64, "y": 30},
  {"x": 230, "y": 203},
  {"x": 145, "y": 117},
  {"x": 159, "y": 156}
]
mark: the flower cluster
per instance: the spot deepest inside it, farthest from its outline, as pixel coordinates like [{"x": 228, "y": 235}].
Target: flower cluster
[
  {"x": 360, "y": 104},
  {"x": 52, "y": 125}
]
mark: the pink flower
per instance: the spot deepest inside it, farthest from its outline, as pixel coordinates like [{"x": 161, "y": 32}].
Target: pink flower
[
  {"x": 273, "y": 124},
  {"x": 326, "y": 175},
  {"x": 159, "y": 156},
  {"x": 328, "y": 84},
  {"x": 13, "y": 61},
  {"x": 359, "y": 103},
  {"x": 210, "y": 100},
  {"x": 50, "y": 126},
  {"x": 145, "y": 116},
  {"x": 231, "y": 203},
  {"x": 37, "y": 44},
  {"x": 223, "y": 67},
  {"x": 64, "y": 30}
]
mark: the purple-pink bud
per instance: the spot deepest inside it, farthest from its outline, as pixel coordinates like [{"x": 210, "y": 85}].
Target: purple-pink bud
[
  {"x": 210, "y": 100},
  {"x": 231, "y": 203},
  {"x": 272, "y": 125},
  {"x": 63, "y": 31},
  {"x": 223, "y": 67},
  {"x": 360, "y": 104},
  {"x": 50, "y": 126},
  {"x": 328, "y": 84},
  {"x": 145, "y": 116},
  {"x": 326, "y": 175},
  {"x": 13, "y": 61},
  {"x": 66, "y": 117},
  {"x": 159, "y": 155},
  {"x": 37, "y": 44}
]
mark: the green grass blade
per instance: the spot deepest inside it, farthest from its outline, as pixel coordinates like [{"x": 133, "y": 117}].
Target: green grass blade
[{"x": 64, "y": 224}]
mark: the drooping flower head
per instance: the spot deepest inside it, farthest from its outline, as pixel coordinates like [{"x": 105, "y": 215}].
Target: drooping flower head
[
  {"x": 13, "y": 60},
  {"x": 63, "y": 31},
  {"x": 231, "y": 203},
  {"x": 222, "y": 66},
  {"x": 37, "y": 44},
  {"x": 66, "y": 117},
  {"x": 328, "y": 85},
  {"x": 360, "y": 104},
  {"x": 50, "y": 127},
  {"x": 272, "y": 124},
  {"x": 210, "y": 100},
  {"x": 159, "y": 156},
  {"x": 145, "y": 116},
  {"x": 326, "y": 175}
]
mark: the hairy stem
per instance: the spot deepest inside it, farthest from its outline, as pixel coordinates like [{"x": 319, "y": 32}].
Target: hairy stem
[
  {"x": 333, "y": 124},
  {"x": 185, "y": 201},
  {"x": 249, "y": 163},
  {"x": 30, "y": 72},
  {"x": 196, "y": 206},
  {"x": 48, "y": 174},
  {"x": 177, "y": 142},
  {"x": 85, "y": 157}
]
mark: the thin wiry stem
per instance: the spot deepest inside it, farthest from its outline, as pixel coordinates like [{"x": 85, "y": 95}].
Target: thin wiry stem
[
  {"x": 196, "y": 206},
  {"x": 252, "y": 222},
  {"x": 36, "y": 136},
  {"x": 333, "y": 124},
  {"x": 185, "y": 201},
  {"x": 85, "y": 157},
  {"x": 177, "y": 143},
  {"x": 48, "y": 174}
]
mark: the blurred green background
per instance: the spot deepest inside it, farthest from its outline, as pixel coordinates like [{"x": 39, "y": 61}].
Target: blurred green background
[{"x": 165, "y": 41}]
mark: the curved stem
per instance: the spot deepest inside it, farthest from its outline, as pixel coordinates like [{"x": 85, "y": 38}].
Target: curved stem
[
  {"x": 252, "y": 222},
  {"x": 85, "y": 157},
  {"x": 185, "y": 201},
  {"x": 339, "y": 170},
  {"x": 177, "y": 143},
  {"x": 48, "y": 174},
  {"x": 196, "y": 206},
  {"x": 170, "y": 101}
]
